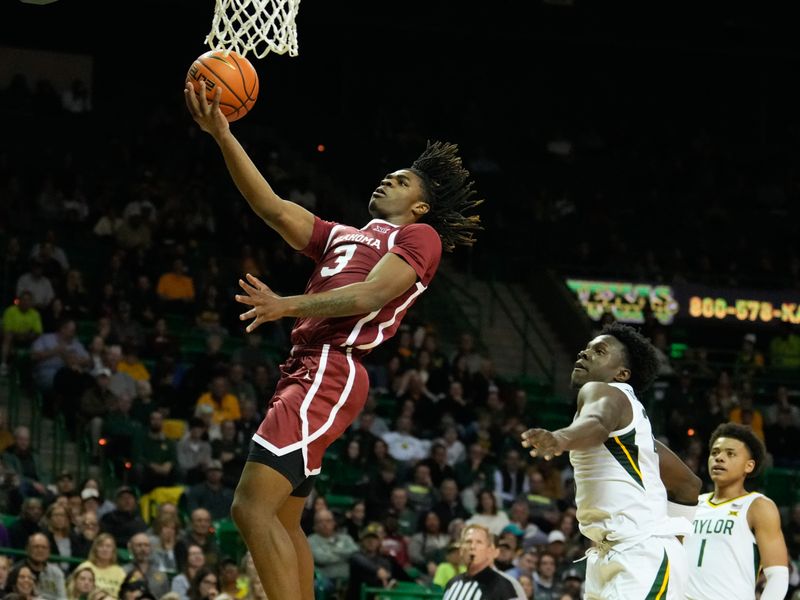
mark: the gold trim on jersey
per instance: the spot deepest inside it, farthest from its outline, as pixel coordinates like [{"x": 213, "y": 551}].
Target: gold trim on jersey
[
  {"x": 724, "y": 502},
  {"x": 626, "y": 452}
]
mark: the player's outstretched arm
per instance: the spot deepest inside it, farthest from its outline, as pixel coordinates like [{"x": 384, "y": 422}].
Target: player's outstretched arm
[
  {"x": 388, "y": 279},
  {"x": 293, "y": 222},
  {"x": 602, "y": 409},
  {"x": 765, "y": 521},
  {"x": 683, "y": 486}
]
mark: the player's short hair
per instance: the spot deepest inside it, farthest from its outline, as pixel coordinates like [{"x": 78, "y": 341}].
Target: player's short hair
[
  {"x": 489, "y": 535},
  {"x": 745, "y": 435},
  {"x": 640, "y": 355}
]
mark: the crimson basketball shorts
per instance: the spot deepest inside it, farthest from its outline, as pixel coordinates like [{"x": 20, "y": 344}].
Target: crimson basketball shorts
[{"x": 321, "y": 391}]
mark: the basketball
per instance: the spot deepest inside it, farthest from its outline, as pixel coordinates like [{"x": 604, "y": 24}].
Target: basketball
[{"x": 231, "y": 72}]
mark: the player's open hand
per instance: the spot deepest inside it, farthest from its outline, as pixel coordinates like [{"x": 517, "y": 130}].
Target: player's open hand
[
  {"x": 543, "y": 443},
  {"x": 266, "y": 303},
  {"x": 206, "y": 114}
]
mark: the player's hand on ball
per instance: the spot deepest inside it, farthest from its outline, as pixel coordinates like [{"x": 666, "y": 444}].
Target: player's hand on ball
[
  {"x": 206, "y": 114},
  {"x": 543, "y": 443},
  {"x": 266, "y": 303}
]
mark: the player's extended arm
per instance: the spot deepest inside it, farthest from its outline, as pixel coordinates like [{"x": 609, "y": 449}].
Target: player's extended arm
[
  {"x": 683, "y": 486},
  {"x": 293, "y": 222},
  {"x": 603, "y": 408},
  {"x": 765, "y": 520},
  {"x": 388, "y": 279}
]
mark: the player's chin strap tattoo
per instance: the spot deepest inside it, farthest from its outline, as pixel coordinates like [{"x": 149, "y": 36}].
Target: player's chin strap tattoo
[{"x": 777, "y": 583}]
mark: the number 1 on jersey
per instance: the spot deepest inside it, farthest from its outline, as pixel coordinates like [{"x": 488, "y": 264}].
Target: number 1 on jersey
[
  {"x": 702, "y": 549},
  {"x": 346, "y": 251}
]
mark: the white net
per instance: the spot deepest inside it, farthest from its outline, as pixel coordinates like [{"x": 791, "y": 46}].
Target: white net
[{"x": 256, "y": 26}]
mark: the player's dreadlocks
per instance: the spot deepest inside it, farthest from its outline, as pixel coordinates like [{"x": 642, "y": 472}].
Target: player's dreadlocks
[
  {"x": 640, "y": 355},
  {"x": 449, "y": 192}
]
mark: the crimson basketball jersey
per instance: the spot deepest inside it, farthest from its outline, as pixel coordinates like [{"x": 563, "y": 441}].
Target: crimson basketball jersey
[{"x": 346, "y": 255}]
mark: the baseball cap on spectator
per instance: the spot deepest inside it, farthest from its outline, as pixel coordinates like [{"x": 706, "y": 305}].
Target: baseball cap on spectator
[
  {"x": 572, "y": 574},
  {"x": 373, "y": 530},
  {"x": 90, "y": 493},
  {"x": 514, "y": 529},
  {"x": 556, "y": 536},
  {"x": 214, "y": 464},
  {"x": 750, "y": 337}
]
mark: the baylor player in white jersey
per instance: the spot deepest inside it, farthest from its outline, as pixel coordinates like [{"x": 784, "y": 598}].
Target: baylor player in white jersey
[
  {"x": 623, "y": 477},
  {"x": 735, "y": 532}
]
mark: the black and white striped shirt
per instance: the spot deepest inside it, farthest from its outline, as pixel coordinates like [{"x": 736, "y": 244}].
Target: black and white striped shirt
[{"x": 488, "y": 584}]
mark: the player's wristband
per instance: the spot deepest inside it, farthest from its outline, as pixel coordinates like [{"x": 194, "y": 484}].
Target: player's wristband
[
  {"x": 681, "y": 510},
  {"x": 777, "y": 583}
]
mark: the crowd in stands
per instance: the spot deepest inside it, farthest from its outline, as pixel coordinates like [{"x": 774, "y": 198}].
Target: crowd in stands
[{"x": 119, "y": 264}]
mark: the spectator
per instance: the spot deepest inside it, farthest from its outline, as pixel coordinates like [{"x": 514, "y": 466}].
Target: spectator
[
  {"x": 165, "y": 530},
  {"x": 175, "y": 288},
  {"x": 456, "y": 452},
  {"x": 20, "y": 458},
  {"x": 331, "y": 549},
  {"x": 131, "y": 364},
  {"x": 544, "y": 580},
  {"x": 524, "y": 565},
  {"x": 80, "y": 584},
  {"x": 784, "y": 349},
  {"x": 211, "y": 494},
  {"x": 438, "y": 464},
  {"x": 199, "y": 533},
  {"x": 159, "y": 457},
  {"x": 39, "y": 286},
  {"x": 22, "y": 324},
  {"x": 86, "y": 531},
  {"x": 195, "y": 561},
  {"x": 49, "y": 577},
  {"x": 368, "y": 566},
  {"x": 782, "y": 400},
  {"x": 449, "y": 506},
  {"x": 22, "y": 583},
  {"x": 144, "y": 567},
  {"x": 510, "y": 480},
  {"x": 225, "y": 404},
  {"x": 49, "y": 351},
  {"x": 403, "y": 445},
  {"x": 125, "y": 520},
  {"x": 5, "y": 567},
  {"x": 205, "y": 584},
  {"x": 231, "y": 452},
  {"x": 420, "y": 489},
  {"x": 398, "y": 507},
  {"x": 791, "y": 532},
  {"x": 27, "y": 525},
  {"x": 425, "y": 549},
  {"x": 746, "y": 414},
  {"x": 475, "y": 470},
  {"x": 63, "y": 540},
  {"x": 194, "y": 452},
  {"x": 488, "y": 514},
  {"x": 749, "y": 361},
  {"x": 108, "y": 575},
  {"x": 449, "y": 567},
  {"x": 230, "y": 579}
]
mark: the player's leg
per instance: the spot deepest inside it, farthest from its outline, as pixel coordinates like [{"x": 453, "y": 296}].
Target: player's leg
[
  {"x": 260, "y": 495},
  {"x": 644, "y": 571},
  {"x": 679, "y": 569},
  {"x": 289, "y": 515}
]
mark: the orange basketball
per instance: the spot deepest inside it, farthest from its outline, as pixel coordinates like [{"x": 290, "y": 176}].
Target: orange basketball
[{"x": 233, "y": 73}]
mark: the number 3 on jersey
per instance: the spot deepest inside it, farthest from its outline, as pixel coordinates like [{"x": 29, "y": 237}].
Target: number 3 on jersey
[{"x": 346, "y": 252}]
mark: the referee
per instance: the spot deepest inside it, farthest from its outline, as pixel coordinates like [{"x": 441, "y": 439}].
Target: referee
[{"x": 481, "y": 581}]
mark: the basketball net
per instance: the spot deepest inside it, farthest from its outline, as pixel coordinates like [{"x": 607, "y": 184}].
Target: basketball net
[{"x": 257, "y": 26}]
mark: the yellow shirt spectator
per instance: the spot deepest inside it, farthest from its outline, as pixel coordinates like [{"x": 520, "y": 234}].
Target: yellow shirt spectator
[
  {"x": 175, "y": 284},
  {"x": 225, "y": 404}
]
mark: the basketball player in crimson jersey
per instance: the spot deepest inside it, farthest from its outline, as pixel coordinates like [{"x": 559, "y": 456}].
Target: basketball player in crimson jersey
[{"x": 364, "y": 282}]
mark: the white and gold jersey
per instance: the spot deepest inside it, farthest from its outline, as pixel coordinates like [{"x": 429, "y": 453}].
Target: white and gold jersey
[
  {"x": 619, "y": 493},
  {"x": 722, "y": 551}
]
